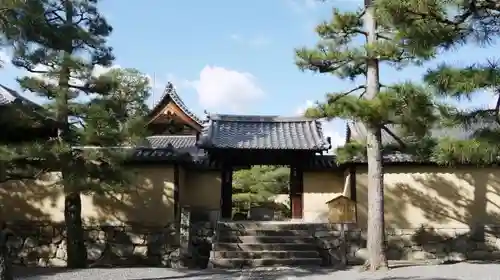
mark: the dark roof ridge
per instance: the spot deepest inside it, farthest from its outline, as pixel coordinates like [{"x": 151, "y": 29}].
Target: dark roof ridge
[
  {"x": 171, "y": 93},
  {"x": 258, "y": 118},
  {"x": 16, "y": 96},
  {"x": 171, "y": 135}
]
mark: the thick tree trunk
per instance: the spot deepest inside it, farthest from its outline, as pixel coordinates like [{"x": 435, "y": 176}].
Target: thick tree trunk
[
  {"x": 5, "y": 263},
  {"x": 77, "y": 252},
  {"x": 76, "y": 249},
  {"x": 376, "y": 233}
]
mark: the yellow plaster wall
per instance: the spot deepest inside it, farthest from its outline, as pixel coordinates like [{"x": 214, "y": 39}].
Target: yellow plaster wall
[
  {"x": 439, "y": 197},
  {"x": 202, "y": 189},
  {"x": 320, "y": 187},
  {"x": 148, "y": 201}
]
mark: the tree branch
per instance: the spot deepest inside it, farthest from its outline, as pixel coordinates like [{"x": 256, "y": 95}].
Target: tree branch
[
  {"x": 400, "y": 142},
  {"x": 339, "y": 96},
  {"x": 497, "y": 106}
]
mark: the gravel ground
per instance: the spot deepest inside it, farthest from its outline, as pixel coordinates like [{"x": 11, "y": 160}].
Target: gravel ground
[{"x": 461, "y": 271}]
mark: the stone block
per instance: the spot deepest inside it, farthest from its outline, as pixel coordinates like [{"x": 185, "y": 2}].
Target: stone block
[{"x": 95, "y": 250}]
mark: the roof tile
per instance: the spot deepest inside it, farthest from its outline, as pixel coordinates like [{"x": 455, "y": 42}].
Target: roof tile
[
  {"x": 164, "y": 141},
  {"x": 7, "y": 96},
  {"x": 262, "y": 132}
]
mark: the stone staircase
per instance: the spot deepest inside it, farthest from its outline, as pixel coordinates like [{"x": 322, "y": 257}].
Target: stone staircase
[{"x": 254, "y": 244}]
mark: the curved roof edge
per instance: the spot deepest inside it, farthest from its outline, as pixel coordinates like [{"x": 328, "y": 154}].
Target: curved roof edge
[
  {"x": 170, "y": 94},
  {"x": 9, "y": 96}
]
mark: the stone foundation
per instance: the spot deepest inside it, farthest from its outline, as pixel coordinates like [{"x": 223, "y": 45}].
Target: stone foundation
[
  {"x": 44, "y": 244},
  {"x": 420, "y": 244}
]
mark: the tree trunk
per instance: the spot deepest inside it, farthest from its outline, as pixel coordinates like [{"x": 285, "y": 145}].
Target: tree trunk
[
  {"x": 76, "y": 250},
  {"x": 5, "y": 264},
  {"x": 376, "y": 234}
]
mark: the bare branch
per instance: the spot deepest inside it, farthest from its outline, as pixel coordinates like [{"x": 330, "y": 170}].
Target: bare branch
[
  {"x": 400, "y": 142},
  {"x": 339, "y": 96},
  {"x": 380, "y": 36},
  {"x": 497, "y": 106}
]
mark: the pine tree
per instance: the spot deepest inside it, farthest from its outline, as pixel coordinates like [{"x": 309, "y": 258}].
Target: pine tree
[
  {"x": 442, "y": 23},
  {"x": 408, "y": 106},
  {"x": 260, "y": 185},
  {"x": 482, "y": 124},
  {"x": 456, "y": 23},
  {"x": 61, "y": 42}
]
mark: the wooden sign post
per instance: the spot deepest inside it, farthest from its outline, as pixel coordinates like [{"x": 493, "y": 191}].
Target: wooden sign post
[{"x": 342, "y": 210}]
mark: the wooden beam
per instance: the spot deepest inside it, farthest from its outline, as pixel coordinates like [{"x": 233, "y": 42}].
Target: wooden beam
[
  {"x": 226, "y": 195},
  {"x": 173, "y": 111},
  {"x": 177, "y": 210},
  {"x": 352, "y": 183},
  {"x": 297, "y": 192}
]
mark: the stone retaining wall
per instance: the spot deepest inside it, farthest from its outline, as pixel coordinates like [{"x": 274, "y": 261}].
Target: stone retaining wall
[
  {"x": 411, "y": 244},
  {"x": 44, "y": 244}
]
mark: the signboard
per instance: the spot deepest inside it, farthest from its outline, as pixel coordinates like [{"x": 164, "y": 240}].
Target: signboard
[{"x": 341, "y": 210}]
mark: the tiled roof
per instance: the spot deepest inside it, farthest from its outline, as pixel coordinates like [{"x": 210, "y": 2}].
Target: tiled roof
[
  {"x": 8, "y": 96},
  {"x": 171, "y": 94},
  {"x": 164, "y": 141},
  {"x": 262, "y": 132},
  {"x": 169, "y": 149},
  {"x": 181, "y": 144},
  {"x": 322, "y": 162}
]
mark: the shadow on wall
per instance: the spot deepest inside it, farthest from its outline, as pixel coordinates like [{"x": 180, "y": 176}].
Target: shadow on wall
[
  {"x": 456, "y": 209},
  {"x": 29, "y": 199},
  {"x": 148, "y": 201},
  {"x": 442, "y": 197},
  {"x": 319, "y": 188},
  {"x": 145, "y": 211},
  {"x": 130, "y": 225}
]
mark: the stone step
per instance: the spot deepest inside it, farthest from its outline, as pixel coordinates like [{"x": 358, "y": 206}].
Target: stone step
[
  {"x": 265, "y": 254},
  {"x": 264, "y": 247},
  {"x": 251, "y": 225},
  {"x": 266, "y": 239},
  {"x": 236, "y": 263},
  {"x": 261, "y": 232}
]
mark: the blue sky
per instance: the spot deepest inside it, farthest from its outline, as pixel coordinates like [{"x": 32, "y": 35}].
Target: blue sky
[{"x": 229, "y": 56}]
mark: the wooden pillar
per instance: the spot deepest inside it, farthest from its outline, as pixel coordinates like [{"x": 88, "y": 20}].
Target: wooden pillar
[
  {"x": 296, "y": 192},
  {"x": 352, "y": 183},
  {"x": 226, "y": 192},
  {"x": 177, "y": 210}
]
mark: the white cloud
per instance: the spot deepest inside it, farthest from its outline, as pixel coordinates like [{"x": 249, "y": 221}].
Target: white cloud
[
  {"x": 224, "y": 89},
  {"x": 258, "y": 41},
  {"x": 337, "y": 137},
  {"x": 302, "y": 109},
  {"x": 100, "y": 70},
  {"x": 333, "y": 129},
  {"x": 4, "y": 58}
]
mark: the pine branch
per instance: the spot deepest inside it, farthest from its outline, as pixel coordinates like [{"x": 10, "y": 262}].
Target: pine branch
[
  {"x": 462, "y": 82},
  {"x": 401, "y": 143}
]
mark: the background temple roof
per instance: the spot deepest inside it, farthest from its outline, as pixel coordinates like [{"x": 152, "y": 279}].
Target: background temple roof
[
  {"x": 170, "y": 95},
  {"x": 358, "y": 133},
  {"x": 10, "y": 96},
  {"x": 263, "y": 132}
]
